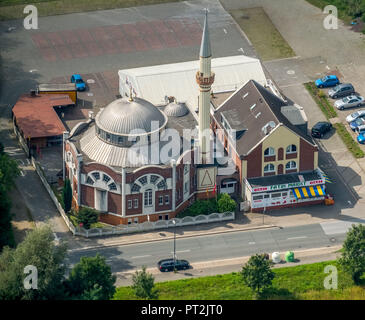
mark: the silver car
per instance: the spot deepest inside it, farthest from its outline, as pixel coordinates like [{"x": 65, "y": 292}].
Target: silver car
[
  {"x": 349, "y": 102},
  {"x": 357, "y": 114}
]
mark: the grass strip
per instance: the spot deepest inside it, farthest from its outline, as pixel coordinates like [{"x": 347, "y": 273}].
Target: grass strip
[
  {"x": 290, "y": 283},
  {"x": 350, "y": 143},
  {"x": 13, "y": 9},
  {"x": 321, "y": 100},
  {"x": 269, "y": 44}
]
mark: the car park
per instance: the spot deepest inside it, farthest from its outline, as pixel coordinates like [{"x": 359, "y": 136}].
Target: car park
[
  {"x": 320, "y": 129},
  {"x": 80, "y": 84},
  {"x": 349, "y": 102},
  {"x": 357, "y": 123},
  {"x": 353, "y": 116},
  {"x": 341, "y": 90},
  {"x": 169, "y": 265},
  {"x": 327, "y": 81},
  {"x": 361, "y": 134}
]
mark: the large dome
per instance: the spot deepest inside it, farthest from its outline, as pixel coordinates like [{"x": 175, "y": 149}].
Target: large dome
[{"x": 122, "y": 116}]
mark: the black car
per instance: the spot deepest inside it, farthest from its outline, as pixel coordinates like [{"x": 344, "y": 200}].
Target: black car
[
  {"x": 168, "y": 265},
  {"x": 320, "y": 128}
]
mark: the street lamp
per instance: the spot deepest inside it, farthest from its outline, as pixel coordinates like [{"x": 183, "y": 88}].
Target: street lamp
[{"x": 174, "y": 222}]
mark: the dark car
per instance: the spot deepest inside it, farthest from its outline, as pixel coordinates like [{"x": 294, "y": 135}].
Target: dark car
[
  {"x": 341, "y": 90},
  {"x": 168, "y": 265},
  {"x": 320, "y": 128}
]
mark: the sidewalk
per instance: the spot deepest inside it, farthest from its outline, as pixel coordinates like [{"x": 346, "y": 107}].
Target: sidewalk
[{"x": 210, "y": 268}]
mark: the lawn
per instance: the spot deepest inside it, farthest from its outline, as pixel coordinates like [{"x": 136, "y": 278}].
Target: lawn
[
  {"x": 264, "y": 36},
  {"x": 298, "y": 282},
  {"x": 13, "y": 9}
]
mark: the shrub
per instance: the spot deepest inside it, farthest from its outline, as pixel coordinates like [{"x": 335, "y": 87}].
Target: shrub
[
  {"x": 67, "y": 196},
  {"x": 87, "y": 216},
  {"x": 144, "y": 285},
  {"x": 200, "y": 207},
  {"x": 226, "y": 203}
]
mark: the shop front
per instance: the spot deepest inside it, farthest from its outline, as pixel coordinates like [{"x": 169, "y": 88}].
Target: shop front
[{"x": 285, "y": 190}]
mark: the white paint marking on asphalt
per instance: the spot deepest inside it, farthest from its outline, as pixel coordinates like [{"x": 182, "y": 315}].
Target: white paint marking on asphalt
[
  {"x": 22, "y": 173},
  {"x": 251, "y": 242},
  {"x": 55, "y": 237},
  {"x": 225, "y": 31},
  {"x": 28, "y": 161},
  {"x": 33, "y": 70},
  {"x": 188, "y": 250},
  {"x": 328, "y": 68},
  {"x": 137, "y": 257},
  {"x": 294, "y": 238}
]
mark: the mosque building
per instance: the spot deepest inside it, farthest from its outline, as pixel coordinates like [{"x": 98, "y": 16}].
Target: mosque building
[{"x": 123, "y": 163}]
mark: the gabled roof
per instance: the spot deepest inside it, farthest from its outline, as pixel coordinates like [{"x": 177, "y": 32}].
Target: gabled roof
[{"x": 252, "y": 108}]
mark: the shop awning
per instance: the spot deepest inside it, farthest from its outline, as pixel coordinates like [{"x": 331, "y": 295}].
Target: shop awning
[{"x": 309, "y": 192}]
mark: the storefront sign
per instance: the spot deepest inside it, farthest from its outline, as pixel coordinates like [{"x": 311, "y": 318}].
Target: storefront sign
[{"x": 287, "y": 186}]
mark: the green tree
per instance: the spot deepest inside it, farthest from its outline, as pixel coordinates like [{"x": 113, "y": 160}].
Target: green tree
[
  {"x": 226, "y": 203},
  {"x": 67, "y": 195},
  {"x": 353, "y": 255},
  {"x": 257, "y": 274},
  {"x": 91, "y": 279},
  {"x": 8, "y": 172},
  {"x": 144, "y": 285},
  {"x": 38, "y": 249},
  {"x": 87, "y": 216}
]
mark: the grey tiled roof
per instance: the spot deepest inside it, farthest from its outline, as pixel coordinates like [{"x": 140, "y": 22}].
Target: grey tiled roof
[{"x": 249, "y": 109}]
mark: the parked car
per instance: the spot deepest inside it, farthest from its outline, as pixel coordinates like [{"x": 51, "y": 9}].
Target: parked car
[
  {"x": 327, "y": 81},
  {"x": 353, "y": 116},
  {"x": 357, "y": 123},
  {"x": 80, "y": 84},
  {"x": 361, "y": 134},
  {"x": 349, "y": 102},
  {"x": 168, "y": 265},
  {"x": 341, "y": 90},
  {"x": 320, "y": 129}
]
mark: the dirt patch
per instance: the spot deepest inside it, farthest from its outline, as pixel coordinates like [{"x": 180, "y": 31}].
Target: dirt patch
[{"x": 22, "y": 219}]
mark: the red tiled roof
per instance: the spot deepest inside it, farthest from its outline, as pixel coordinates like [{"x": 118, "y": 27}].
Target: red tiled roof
[{"x": 36, "y": 117}]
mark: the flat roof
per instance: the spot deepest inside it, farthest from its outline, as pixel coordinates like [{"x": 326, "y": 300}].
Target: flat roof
[
  {"x": 36, "y": 117},
  {"x": 57, "y": 87},
  {"x": 284, "y": 179}
]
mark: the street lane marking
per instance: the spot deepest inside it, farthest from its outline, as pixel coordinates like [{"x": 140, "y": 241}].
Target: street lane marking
[
  {"x": 251, "y": 242},
  {"x": 137, "y": 257},
  {"x": 303, "y": 237},
  {"x": 188, "y": 250}
]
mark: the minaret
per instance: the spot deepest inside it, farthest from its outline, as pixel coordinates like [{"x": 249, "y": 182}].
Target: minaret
[{"x": 205, "y": 79}]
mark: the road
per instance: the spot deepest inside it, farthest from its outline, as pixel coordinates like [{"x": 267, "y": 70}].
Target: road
[{"x": 124, "y": 258}]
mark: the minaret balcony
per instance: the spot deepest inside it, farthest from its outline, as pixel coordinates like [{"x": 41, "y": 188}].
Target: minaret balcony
[{"x": 204, "y": 81}]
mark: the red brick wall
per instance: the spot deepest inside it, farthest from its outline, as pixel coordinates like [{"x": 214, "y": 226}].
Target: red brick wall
[
  {"x": 254, "y": 160},
  {"x": 306, "y": 161},
  {"x": 291, "y": 155},
  {"x": 133, "y": 211},
  {"x": 280, "y": 154},
  {"x": 114, "y": 203},
  {"x": 164, "y": 207},
  {"x": 87, "y": 196}
]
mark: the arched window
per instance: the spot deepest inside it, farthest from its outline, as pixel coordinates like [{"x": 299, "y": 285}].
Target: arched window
[
  {"x": 148, "y": 198},
  {"x": 269, "y": 152},
  {"x": 291, "y": 149},
  {"x": 269, "y": 168},
  {"x": 291, "y": 165}
]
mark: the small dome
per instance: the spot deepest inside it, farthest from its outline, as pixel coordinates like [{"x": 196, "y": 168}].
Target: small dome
[
  {"x": 175, "y": 109},
  {"x": 122, "y": 116}
]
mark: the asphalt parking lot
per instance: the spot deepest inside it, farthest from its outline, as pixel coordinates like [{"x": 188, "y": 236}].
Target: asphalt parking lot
[{"x": 103, "y": 42}]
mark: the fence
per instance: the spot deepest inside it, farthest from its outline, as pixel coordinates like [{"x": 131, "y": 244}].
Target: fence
[{"x": 132, "y": 228}]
